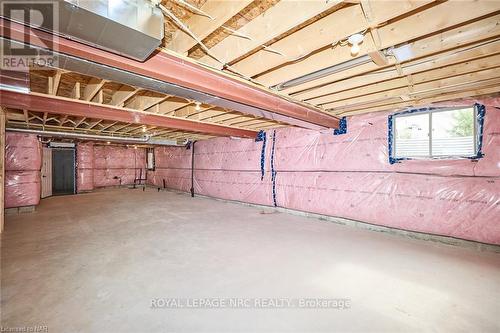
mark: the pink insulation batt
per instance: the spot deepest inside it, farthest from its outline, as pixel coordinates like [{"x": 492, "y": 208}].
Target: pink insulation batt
[
  {"x": 349, "y": 176},
  {"x": 23, "y": 152},
  {"x": 23, "y": 160},
  {"x": 85, "y": 166},
  {"x": 125, "y": 163}
]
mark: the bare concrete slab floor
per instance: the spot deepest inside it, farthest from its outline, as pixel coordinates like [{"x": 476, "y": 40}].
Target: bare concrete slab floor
[{"x": 94, "y": 262}]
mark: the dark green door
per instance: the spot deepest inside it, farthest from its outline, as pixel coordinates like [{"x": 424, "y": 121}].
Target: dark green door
[{"x": 63, "y": 171}]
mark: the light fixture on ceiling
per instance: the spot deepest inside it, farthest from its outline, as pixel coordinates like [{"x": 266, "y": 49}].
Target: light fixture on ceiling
[
  {"x": 323, "y": 72},
  {"x": 198, "y": 106},
  {"x": 354, "y": 41}
]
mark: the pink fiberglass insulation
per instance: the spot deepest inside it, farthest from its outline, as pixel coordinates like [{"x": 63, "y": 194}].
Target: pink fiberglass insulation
[
  {"x": 349, "y": 176},
  {"x": 117, "y": 165},
  {"x": 23, "y": 159},
  {"x": 23, "y": 152},
  {"x": 85, "y": 166},
  {"x": 22, "y": 188}
]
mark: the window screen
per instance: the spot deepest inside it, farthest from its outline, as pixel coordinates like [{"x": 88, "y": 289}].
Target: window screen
[{"x": 436, "y": 133}]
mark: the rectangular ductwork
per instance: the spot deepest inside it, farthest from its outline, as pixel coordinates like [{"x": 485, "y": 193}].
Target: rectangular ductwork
[{"x": 131, "y": 28}]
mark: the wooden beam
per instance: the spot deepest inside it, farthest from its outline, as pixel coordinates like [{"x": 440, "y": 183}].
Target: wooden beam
[
  {"x": 169, "y": 106},
  {"x": 395, "y": 106},
  {"x": 92, "y": 88},
  {"x": 108, "y": 126},
  {"x": 122, "y": 95},
  {"x": 61, "y": 105},
  {"x": 78, "y": 123},
  {"x": 443, "y": 48},
  {"x": 76, "y": 94},
  {"x": 334, "y": 27},
  {"x": 181, "y": 42},
  {"x": 99, "y": 98},
  {"x": 144, "y": 102},
  {"x": 2, "y": 168},
  {"x": 261, "y": 31},
  {"x": 54, "y": 82},
  {"x": 378, "y": 58},
  {"x": 376, "y": 53},
  {"x": 63, "y": 119},
  {"x": 419, "y": 77},
  {"x": 395, "y": 33},
  {"x": 186, "y": 111},
  {"x": 435, "y": 87},
  {"x": 419, "y": 97},
  {"x": 153, "y": 102},
  {"x": 94, "y": 124}
]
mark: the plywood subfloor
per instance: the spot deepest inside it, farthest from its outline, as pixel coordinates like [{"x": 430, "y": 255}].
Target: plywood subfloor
[{"x": 94, "y": 262}]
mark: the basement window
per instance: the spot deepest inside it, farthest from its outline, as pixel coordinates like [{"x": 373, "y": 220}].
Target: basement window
[{"x": 436, "y": 133}]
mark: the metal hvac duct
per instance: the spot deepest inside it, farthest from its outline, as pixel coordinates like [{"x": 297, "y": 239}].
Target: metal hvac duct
[
  {"x": 132, "y": 28},
  {"x": 148, "y": 140},
  {"x": 89, "y": 68}
]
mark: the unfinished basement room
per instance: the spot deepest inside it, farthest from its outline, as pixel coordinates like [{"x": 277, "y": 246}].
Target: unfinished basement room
[{"x": 250, "y": 166}]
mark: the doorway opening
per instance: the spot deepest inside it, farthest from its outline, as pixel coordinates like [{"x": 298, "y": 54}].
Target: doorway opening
[{"x": 63, "y": 171}]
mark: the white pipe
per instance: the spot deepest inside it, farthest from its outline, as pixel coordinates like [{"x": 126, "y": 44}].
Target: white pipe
[
  {"x": 145, "y": 140},
  {"x": 78, "y": 135}
]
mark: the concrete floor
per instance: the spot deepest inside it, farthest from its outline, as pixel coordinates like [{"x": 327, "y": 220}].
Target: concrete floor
[{"x": 94, "y": 262}]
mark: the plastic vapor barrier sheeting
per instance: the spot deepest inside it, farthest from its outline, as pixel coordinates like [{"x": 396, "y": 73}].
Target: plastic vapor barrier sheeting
[
  {"x": 23, "y": 152},
  {"x": 115, "y": 165},
  {"x": 349, "y": 176},
  {"x": 85, "y": 166},
  {"x": 23, "y": 160}
]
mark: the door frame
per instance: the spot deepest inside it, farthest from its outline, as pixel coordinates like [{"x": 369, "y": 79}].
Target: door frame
[
  {"x": 74, "y": 169},
  {"x": 46, "y": 172}
]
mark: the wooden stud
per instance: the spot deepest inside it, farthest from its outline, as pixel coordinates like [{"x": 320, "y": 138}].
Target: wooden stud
[
  {"x": 334, "y": 27},
  {"x": 391, "y": 34},
  {"x": 447, "y": 42},
  {"x": 415, "y": 78},
  {"x": 233, "y": 47},
  {"x": 76, "y": 94},
  {"x": 92, "y": 88},
  {"x": 2, "y": 168},
  {"x": 122, "y": 95},
  {"x": 181, "y": 42},
  {"x": 54, "y": 82}
]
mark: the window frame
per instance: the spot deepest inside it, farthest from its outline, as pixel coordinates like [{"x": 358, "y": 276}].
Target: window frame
[{"x": 479, "y": 113}]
